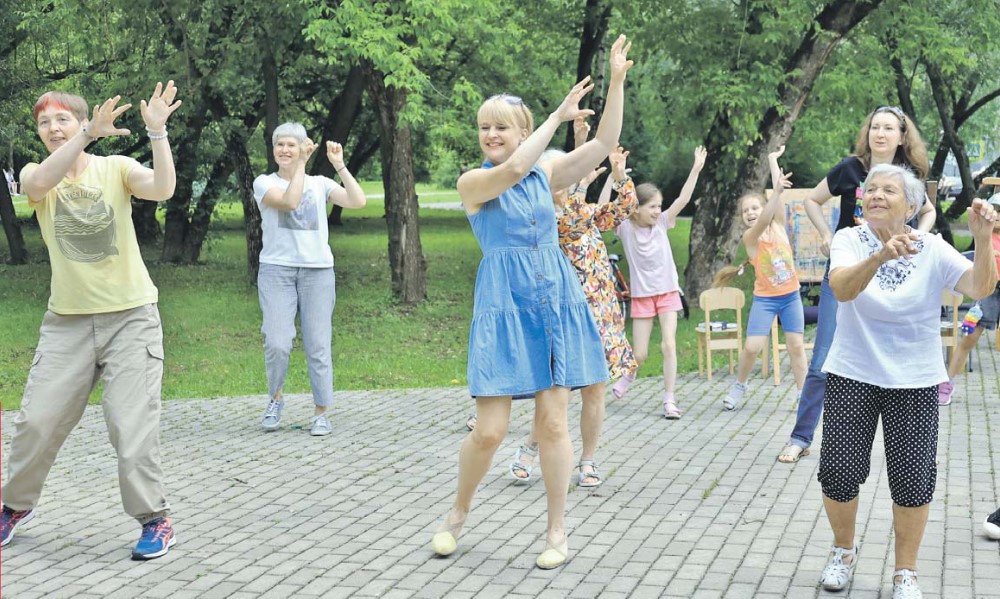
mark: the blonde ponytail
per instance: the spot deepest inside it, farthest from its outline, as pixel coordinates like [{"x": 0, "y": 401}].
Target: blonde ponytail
[{"x": 727, "y": 273}]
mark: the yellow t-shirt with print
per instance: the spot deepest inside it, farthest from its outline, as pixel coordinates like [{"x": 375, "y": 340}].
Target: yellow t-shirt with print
[{"x": 86, "y": 223}]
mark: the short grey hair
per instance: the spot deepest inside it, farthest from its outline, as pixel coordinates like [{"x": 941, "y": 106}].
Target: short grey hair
[
  {"x": 295, "y": 130},
  {"x": 913, "y": 188}
]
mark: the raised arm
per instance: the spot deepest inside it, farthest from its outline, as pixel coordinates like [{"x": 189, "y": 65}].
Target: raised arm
[
  {"x": 774, "y": 208},
  {"x": 157, "y": 184},
  {"x": 570, "y": 168},
  {"x": 847, "y": 282},
  {"x": 926, "y": 216},
  {"x": 981, "y": 279},
  {"x": 39, "y": 181},
  {"x": 350, "y": 195},
  {"x": 814, "y": 210},
  {"x": 688, "y": 190},
  {"x": 291, "y": 197},
  {"x": 478, "y": 186},
  {"x": 611, "y": 214}
]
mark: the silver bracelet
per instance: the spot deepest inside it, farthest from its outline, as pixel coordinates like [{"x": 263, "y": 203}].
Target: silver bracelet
[{"x": 154, "y": 135}]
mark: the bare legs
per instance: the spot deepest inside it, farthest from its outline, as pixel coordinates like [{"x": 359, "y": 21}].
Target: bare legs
[
  {"x": 797, "y": 356},
  {"x": 474, "y": 459},
  {"x": 556, "y": 455},
  {"x": 748, "y": 357},
  {"x": 591, "y": 423},
  {"x": 476, "y": 455},
  {"x": 668, "y": 345},
  {"x": 908, "y": 522},
  {"x": 961, "y": 352}
]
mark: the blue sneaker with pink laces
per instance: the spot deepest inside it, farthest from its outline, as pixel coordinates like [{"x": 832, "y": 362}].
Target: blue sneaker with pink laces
[
  {"x": 157, "y": 538},
  {"x": 10, "y": 520}
]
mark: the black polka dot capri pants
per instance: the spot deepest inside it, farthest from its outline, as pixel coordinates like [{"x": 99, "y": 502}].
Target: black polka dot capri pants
[{"x": 851, "y": 411}]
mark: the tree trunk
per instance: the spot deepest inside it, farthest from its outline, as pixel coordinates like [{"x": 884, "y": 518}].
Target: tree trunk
[
  {"x": 714, "y": 238},
  {"x": 596, "y": 16},
  {"x": 951, "y": 139},
  {"x": 271, "y": 103},
  {"x": 186, "y": 163},
  {"x": 202, "y": 215},
  {"x": 406, "y": 258},
  {"x": 237, "y": 152},
  {"x": 11, "y": 228},
  {"x": 147, "y": 228}
]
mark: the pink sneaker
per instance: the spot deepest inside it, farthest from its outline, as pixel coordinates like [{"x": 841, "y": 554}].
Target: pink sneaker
[
  {"x": 945, "y": 390},
  {"x": 620, "y": 388}
]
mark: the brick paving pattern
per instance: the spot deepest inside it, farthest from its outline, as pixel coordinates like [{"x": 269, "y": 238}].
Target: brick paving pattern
[{"x": 691, "y": 508}]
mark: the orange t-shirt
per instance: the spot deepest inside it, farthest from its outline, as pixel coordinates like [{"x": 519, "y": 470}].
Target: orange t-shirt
[{"x": 774, "y": 265}]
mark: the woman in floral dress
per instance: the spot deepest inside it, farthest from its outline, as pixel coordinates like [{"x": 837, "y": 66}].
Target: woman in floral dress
[{"x": 580, "y": 225}]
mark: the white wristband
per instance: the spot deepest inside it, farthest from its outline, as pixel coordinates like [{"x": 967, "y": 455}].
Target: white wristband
[{"x": 156, "y": 135}]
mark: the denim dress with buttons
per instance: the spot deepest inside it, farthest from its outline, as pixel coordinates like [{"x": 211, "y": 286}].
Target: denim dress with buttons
[{"x": 531, "y": 325}]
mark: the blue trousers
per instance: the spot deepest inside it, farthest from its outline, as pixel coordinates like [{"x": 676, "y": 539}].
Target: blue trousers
[{"x": 811, "y": 400}]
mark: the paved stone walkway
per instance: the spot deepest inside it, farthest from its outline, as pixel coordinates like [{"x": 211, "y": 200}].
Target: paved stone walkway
[{"x": 691, "y": 508}]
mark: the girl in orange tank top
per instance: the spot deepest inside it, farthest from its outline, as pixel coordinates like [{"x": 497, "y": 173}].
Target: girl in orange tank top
[{"x": 776, "y": 287}]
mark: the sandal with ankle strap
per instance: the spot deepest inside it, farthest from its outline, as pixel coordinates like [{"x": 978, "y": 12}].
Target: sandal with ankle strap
[
  {"x": 907, "y": 587},
  {"x": 671, "y": 411},
  {"x": 580, "y": 481},
  {"x": 518, "y": 466},
  {"x": 837, "y": 574},
  {"x": 554, "y": 555}
]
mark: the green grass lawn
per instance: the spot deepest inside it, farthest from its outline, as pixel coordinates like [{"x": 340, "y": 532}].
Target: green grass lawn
[{"x": 211, "y": 318}]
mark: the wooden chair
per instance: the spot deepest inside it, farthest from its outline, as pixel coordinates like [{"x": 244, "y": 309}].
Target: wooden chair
[
  {"x": 951, "y": 333},
  {"x": 777, "y": 346},
  {"x": 730, "y": 336}
]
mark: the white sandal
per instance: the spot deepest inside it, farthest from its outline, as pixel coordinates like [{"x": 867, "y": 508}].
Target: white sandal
[
  {"x": 518, "y": 466},
  {"x": 580, "y": 481},
  {"x": 907, "y": 587},
  {"x": 837, "y": 574}
]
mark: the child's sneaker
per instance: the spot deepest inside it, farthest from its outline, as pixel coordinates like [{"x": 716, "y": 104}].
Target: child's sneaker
[
  {"x": 620, "y": 388},
  {"x": 10, "y": 520},
  {"x": 945, "y": 391},
  {"x": 734, "y": 398},
  {"x": 157, "y": 538}
]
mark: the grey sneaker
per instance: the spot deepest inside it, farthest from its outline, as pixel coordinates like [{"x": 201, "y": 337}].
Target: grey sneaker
[
  {"x": 320, "y": 426},
  {"x": 272, "y": 415},
  {"x": 734, "y": 398}
]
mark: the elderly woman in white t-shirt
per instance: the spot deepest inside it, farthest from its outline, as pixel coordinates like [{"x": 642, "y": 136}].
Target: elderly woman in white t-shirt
[
  {"x": 885, "y": 362},
  {"x": 296, "y": 267}
]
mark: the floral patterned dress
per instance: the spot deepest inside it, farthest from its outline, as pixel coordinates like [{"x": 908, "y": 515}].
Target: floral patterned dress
[{"x": 580, "y": 225}]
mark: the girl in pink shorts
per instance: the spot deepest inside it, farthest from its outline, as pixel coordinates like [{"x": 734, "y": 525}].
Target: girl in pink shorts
[{"x": 655, "y": 291}]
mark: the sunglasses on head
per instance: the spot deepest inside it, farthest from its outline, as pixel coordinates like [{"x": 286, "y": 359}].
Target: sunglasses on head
[{"x": 512, "y": 100}]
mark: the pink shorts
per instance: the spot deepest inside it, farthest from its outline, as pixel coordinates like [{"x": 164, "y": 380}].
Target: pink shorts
[{"x": 648, "y": 307}]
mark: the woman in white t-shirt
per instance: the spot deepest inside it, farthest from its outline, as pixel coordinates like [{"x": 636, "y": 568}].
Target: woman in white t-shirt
[
  {"x": 296, "y": 267},
  {"x": 885, "y": 362}
]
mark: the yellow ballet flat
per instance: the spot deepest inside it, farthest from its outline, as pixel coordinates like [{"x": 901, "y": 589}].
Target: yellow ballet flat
[
  {"x": 553, "y": 556},
  {"x": 444, "y": 543}
]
